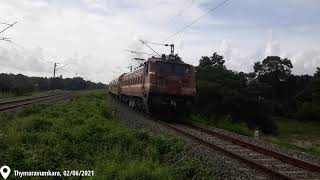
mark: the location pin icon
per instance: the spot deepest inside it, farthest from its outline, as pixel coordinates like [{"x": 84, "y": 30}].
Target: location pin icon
[{"x": 5, "y": 171}]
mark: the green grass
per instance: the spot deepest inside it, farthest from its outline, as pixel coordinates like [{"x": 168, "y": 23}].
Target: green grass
[
  {"x": 5, "y": 95},
  {"x": 224, "y": 123},
  {"x": 82, "y": 134},
  {"x": 299, "y": 135},
  {"x": 292, "y": 134}
]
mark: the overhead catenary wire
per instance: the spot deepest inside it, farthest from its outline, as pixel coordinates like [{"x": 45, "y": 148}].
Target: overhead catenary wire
[
  {"x": 61, "y": 68},
  {"x": 196, "y": 20},
  {"x": 150, "y": 47},
  {"x": 5, "y": 39},
  {"x": 181, "y": 11},
  {"x": 5, "y": 23},
  {"x": 9, "y": 26},
  {"x": 139, "y": 53}
]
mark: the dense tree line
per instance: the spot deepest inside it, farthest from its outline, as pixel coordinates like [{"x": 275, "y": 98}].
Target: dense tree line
[
  {"x": 20, "y": 84},
  {"x": 271, "y": 90}
]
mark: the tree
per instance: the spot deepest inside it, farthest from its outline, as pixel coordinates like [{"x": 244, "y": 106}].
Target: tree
[
  {"x": 20, "y": 84},
  {"x": 275, "y": 71},
  {"x": 215, "y": 60},
  {"x": 310, "y": 106},
  {"x": 224, "y": 93},
  {"x": 317, "y": 72},
  {"x": 273, "y": 68},
  {"x": 315, "y": 84}
]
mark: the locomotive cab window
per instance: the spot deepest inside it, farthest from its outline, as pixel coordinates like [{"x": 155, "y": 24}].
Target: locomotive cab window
[
  {"x": 172, "y": 68},
  {"x": 164, "y": 68},
  {"x": 181, "y": 69}
]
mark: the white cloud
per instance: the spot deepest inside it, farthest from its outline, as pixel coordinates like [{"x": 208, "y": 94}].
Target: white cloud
[
  {"x": 272, "y": 46},
  {"x": 306, "y": 61},
  {"x": 91, "y": 36}
]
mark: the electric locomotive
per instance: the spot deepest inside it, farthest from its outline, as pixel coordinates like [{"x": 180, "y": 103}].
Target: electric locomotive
[{"x": 163, "y": 85}]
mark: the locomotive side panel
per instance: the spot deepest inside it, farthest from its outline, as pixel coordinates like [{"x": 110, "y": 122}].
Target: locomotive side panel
[
  {"x": 113, "y": 87},
  {"x": 133, "y": 84}
]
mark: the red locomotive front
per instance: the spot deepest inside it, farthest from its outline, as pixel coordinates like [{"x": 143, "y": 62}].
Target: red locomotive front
[
  {"x": 170, "y": 84},
  {"x": 164, "y": 84}
]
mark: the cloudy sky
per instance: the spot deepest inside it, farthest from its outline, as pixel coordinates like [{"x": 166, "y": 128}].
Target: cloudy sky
[{"x": 90, "y": 36}]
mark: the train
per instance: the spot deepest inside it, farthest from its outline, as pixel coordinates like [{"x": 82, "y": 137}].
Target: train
[{"x": 163, "y": 85}]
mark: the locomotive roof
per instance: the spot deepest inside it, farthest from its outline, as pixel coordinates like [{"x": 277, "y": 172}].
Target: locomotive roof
[
  {"x": 170, "y": 58},
  {"x": 167, "y": 59}
]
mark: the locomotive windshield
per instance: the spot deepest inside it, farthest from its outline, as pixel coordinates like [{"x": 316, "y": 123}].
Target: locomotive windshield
[{"x": 173, "y": 68}]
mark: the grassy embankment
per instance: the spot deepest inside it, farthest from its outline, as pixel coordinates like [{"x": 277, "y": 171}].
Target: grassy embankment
[
  {"x": 82, "y": 135},
  {"x": 299, "y": 135},
  {"x": 224, "y": 123},
  {"x": 293, "y": 134}
]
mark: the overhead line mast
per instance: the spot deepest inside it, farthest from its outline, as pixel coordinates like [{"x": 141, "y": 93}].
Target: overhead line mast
[{"x": 55, "y": 69}]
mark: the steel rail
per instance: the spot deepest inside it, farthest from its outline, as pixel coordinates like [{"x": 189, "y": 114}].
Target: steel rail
[
  {"x": 282, "y": 157},
  {"x": 271, "y": 172},
  {"x": 28, "y": 101}
]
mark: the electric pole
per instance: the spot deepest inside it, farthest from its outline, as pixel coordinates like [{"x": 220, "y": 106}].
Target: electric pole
[{"x": 54, "y": 70}]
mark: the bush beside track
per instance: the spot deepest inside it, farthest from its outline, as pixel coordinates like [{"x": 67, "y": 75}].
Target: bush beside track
[{"x": 82, "y": 134}]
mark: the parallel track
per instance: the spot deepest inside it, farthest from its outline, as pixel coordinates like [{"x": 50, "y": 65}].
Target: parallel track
[
  {"x": 9, "y": 105},
  {"x": 276, "y": 165}
]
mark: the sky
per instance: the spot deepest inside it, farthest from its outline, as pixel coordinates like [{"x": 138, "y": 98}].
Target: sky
[{"x": 89, "y": 37}]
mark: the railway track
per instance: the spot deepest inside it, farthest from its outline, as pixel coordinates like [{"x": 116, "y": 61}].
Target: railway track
[
  {"x": 272, "y": 164},
  {"x": 275, "y": 165},
  {"x": 9, "y": 105}
]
